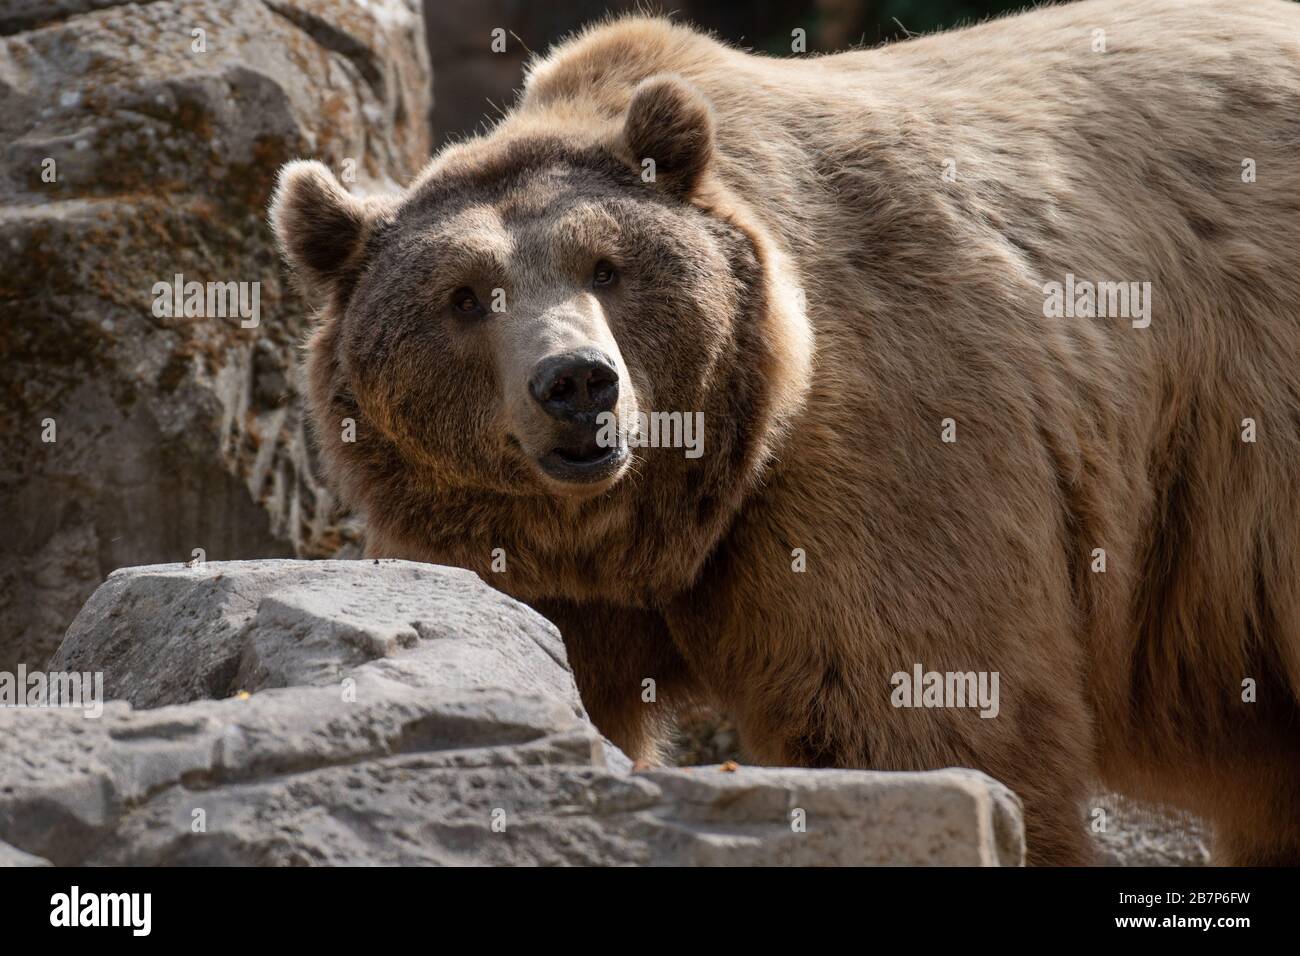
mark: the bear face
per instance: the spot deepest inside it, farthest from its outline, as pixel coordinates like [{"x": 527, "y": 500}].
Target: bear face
[
  {"x": 497, "y": 333},
  {"x": 480, "y": 288}
]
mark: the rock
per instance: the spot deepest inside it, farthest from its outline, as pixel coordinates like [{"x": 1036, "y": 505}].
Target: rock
[
  {"x": 138, "y": 142},
  {"x": 745, "y": 817},
  {"x": 216, "y": 629},
  {"x": 401, "y": 713},
  {"x": 9, "y": 856},
  {"x": 1138, "y": 834}
]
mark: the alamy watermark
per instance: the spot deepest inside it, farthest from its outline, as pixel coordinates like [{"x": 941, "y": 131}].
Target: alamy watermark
[
  {"x": 922, "y": 688},
  {"x": 73, "y": 690},
  {"x": 1098, "y": 300},
  {"x": 653, "y": 430},
  {"x": 133, "y": 911},
  {"x": 212, "y": 300}
]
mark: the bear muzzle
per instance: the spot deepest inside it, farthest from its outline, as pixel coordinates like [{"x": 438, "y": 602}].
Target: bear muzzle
[{"x": 577, "y": 390}]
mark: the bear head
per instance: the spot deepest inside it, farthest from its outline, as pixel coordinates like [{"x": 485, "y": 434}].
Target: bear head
[{"x": 494, "y": 340}]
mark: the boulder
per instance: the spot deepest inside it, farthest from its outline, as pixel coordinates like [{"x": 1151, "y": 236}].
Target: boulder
[
  {"x": 361, "y": 712},
  {"x": 140, "y": 142}
]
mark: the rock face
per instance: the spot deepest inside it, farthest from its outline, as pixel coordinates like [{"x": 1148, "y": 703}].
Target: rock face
[
  {"x": 399, "y": 713},
  {"x": 139, "y": 142}
]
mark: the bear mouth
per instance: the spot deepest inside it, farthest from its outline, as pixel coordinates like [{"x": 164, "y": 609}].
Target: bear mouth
[{"x": 583, "y": 461}]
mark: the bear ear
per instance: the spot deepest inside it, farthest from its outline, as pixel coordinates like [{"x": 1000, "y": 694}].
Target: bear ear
[
  {"x": 319, "y": 225},
  {"x": 670, "y": 123}
]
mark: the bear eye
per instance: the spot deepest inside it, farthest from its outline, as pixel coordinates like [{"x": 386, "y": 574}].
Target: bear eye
[
  {"x": 465, "y": 301},
  {"x": 604, "y": 273}
]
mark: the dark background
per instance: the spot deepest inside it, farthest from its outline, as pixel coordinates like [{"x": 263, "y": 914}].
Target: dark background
[{"x": 469, "y": 79}]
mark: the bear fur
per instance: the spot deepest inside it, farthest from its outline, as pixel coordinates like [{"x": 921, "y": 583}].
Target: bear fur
[{"x": 844, "y": 262}]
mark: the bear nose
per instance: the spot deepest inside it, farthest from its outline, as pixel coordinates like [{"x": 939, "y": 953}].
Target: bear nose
[{"x": 575, "y": 386}]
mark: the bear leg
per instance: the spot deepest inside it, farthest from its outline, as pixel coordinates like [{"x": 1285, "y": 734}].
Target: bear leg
[{"x": 632, "y": 680}]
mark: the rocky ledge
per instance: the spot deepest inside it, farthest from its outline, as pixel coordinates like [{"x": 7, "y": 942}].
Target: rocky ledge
[{"x": 357, "y": 712}]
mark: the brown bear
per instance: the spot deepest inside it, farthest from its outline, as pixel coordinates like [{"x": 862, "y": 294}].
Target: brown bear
[{"x": 995, "y": 340}]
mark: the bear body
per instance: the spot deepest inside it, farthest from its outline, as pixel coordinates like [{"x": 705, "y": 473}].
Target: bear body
[{"x": 927, "y": 447}]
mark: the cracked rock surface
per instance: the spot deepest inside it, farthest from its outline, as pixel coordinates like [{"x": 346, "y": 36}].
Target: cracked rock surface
[
  {"x": 138, "y": 142},
  {"x": 360, "y": 712}
]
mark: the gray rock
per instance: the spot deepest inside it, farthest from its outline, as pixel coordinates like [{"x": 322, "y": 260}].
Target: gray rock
[
  {"x": 222, "y": 627},
  {"x": 10, "y": 856},
  {"x": 172, "y": 433},
  {"x": 748, "y": 817},
  {"x": 399, "y": 713},
  {"x": 1139, "y": 834}
]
